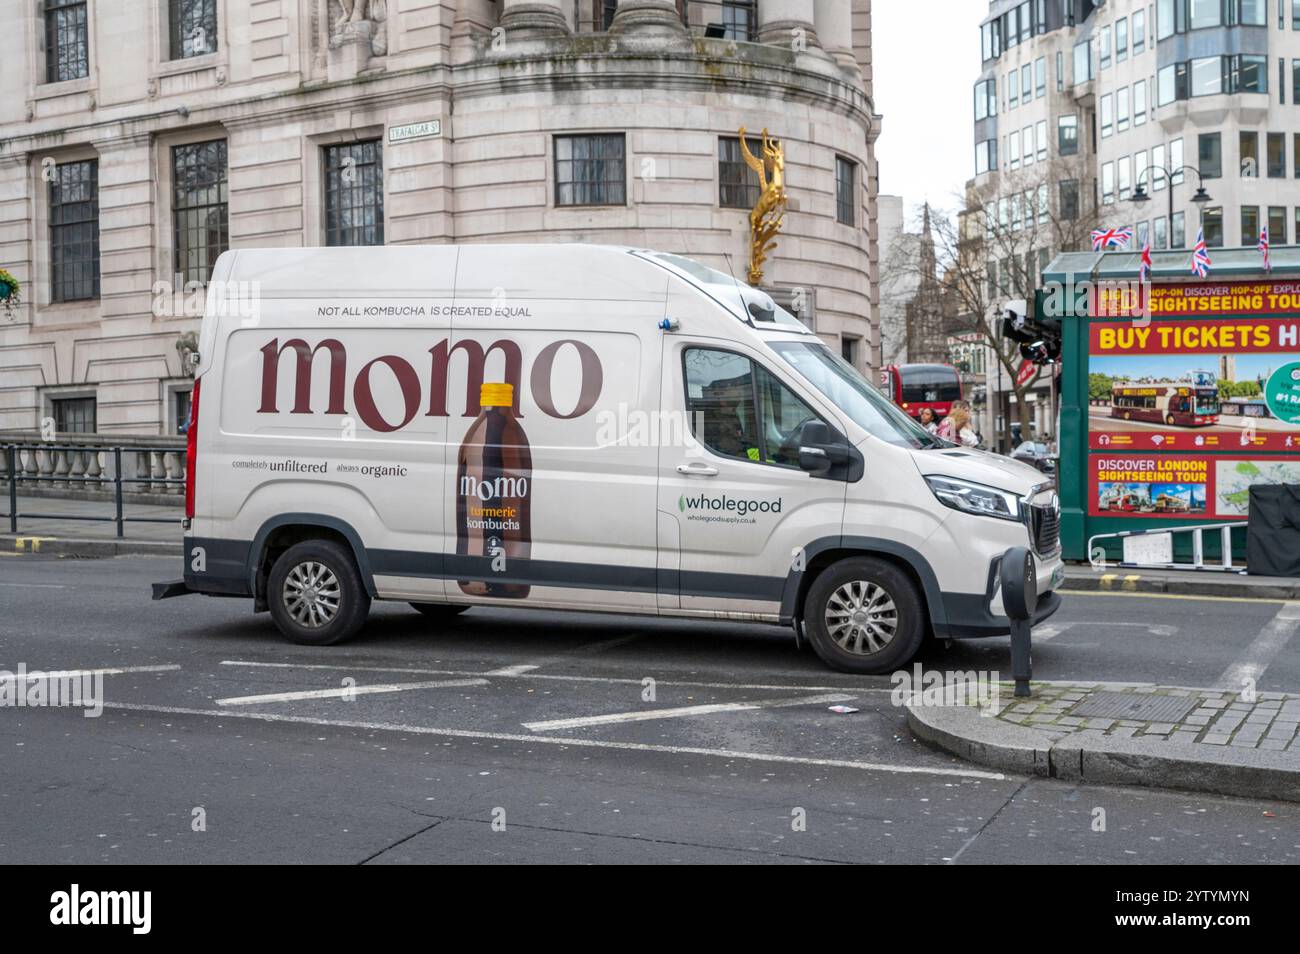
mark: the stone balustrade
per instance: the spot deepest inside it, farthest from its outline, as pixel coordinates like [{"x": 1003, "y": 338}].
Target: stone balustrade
[{"x": 91, "y": 464}]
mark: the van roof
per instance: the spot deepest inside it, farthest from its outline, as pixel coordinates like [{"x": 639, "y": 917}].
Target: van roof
[{"x": 485, "y": 270}]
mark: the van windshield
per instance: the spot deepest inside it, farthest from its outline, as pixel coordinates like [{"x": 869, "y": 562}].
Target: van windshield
[
  {"x": 848, "y": 390},
  {"x": 747, "y": 303}
]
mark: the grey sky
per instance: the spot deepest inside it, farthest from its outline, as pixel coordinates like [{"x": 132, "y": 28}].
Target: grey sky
[{"x": 926, "y": 59}]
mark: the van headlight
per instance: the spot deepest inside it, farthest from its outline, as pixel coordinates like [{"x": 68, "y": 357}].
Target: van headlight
[{"x": 975, "y": 498}]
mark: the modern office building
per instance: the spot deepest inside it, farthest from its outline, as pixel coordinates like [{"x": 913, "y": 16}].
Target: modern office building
[
  {"x": 139, "y": 139},
  {"x": 1159, "y": 114}
]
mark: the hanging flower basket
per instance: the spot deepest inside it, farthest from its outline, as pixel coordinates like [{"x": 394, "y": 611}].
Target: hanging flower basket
[{"x": 10, "y": 291}]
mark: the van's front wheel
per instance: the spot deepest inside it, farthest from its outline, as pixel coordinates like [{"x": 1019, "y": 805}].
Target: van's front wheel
[
  {"x": 863, "y": 615},
  {"x": 315, "y": 594}
]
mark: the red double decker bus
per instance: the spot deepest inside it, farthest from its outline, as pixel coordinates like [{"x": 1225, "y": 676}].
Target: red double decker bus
[
  {"x": 1190, "y": 402},
  {"x": 916, "y": 386}
]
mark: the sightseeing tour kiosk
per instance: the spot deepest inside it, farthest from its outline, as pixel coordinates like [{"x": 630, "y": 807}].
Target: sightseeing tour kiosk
[{"x": 1178, "y": 395}]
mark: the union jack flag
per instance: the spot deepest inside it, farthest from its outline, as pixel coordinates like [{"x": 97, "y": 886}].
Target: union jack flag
[
  {"x": 1144, "y": 269},
  {"x": 1200, "y": 256},
  {"x": 1263, "y": 248},
  {"x": 1111, "y": 238}
]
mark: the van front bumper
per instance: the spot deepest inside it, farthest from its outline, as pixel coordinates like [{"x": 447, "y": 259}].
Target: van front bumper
[{"x": 975, "y": 615}]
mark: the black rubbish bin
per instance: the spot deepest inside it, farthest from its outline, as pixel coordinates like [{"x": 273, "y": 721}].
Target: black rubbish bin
[{"x": 1273, "y": 530}]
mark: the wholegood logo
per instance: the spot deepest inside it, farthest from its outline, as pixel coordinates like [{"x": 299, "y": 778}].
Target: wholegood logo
[{"x": 725, "y": 504}]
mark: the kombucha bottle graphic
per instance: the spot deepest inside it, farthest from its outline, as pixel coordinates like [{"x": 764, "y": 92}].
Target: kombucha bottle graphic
[{"x": 494, "y": 476}]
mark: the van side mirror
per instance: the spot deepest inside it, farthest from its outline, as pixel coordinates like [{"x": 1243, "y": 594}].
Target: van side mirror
[{"x": 827, "y": 453}]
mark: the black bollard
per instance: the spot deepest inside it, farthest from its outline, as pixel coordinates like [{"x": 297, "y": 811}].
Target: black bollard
[{"x": 1020, "y": 599}]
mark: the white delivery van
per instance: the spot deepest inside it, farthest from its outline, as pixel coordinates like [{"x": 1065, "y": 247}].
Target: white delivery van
[{"x": 576, "y": 427}]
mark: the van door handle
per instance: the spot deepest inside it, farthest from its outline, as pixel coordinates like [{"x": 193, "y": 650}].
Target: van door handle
[{"x": 697, "y": 469}]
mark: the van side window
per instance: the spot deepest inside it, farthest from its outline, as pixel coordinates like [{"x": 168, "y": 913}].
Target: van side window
[{"x": 739, "y": 409}]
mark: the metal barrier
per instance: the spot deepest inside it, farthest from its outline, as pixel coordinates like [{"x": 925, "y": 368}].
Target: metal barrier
[
  {"x": 93, "y": 468},
  {"x": 1157, "y": 550}
]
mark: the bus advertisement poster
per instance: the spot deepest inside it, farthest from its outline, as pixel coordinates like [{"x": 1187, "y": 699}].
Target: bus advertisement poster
[
  {"x": 1194, "y": 384},
  {"x": 1181, "y": 485}
]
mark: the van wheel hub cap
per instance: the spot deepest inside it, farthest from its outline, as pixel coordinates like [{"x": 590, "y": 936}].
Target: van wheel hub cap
[
  {"x": 311, "y": 594},
  {"x": 861, "y": 617}
]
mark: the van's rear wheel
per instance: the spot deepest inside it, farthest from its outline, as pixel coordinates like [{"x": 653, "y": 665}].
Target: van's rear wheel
[
  {"x": 315, "y": 594},
  {"x": 864, "y": 615},
  {"x": 440, "y": 610}
]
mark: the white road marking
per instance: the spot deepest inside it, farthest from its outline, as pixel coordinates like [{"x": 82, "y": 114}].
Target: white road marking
[
  {"x": 510, "y": 670},
  {"x": 36, "y": 586},
  {"x": 562, "y": 741},
  {"x": 343, "y": 691},
  {"x": 78, "y": 673},
  {"x": 646, "y": 715},
  {"x": 1272, "y": 639},
  {"x": 506, "y": 674},
  {"x": 1049, "y": 631}
]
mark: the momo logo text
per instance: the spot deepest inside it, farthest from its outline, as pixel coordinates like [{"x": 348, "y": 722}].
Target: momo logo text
[
  {"x": 425, "y": 392},
  {"x": 494, "y": 489}
]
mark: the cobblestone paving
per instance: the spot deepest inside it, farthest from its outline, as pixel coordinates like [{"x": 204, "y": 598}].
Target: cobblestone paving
[{"x": 1269, "y": 722}]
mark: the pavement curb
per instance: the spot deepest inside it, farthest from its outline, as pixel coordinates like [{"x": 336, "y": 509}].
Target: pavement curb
[
  {"x": 1180, "y": 583},
  {"x": 65, "y": 546},
  {"x": 1094, "y": 758}
]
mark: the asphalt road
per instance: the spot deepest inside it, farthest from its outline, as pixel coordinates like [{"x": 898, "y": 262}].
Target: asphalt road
[{"x": 526, "y": 738}]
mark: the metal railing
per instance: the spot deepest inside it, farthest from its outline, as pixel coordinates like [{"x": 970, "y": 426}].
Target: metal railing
[
  {"x": 92, "y": 470},
  {"x": 1153, "y": 553}
]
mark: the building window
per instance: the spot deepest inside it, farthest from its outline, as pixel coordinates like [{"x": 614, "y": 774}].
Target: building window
[
  {"x": 1067, "y": 135},
  {"x": 1210, "y": 152},
  {"x": 67, "y": 46},
  {"x": 1040, "y": 129},
  {"x": 1082, "y": 62},
  {"x": 1295, "y": 159},
  {"x": 193, "y": 27},
  {"x": 1213, "y": 224},
  {"x": 74, "y": 231},
  {"x": 590, "y": 170},
  {"x": 1108, "y": 183},
  {"x": 740, "y": 19},
  {"x": 73, "y": 415},
  {"x": 1246, "y": 74},
  {"x": 849, "y": 349},
  {"x": 1013, "y": 89},
  {"x": 1249, "y": 224},
  {"x": 1139, "y": 102},
  {"x": 1248, "y": 155},
  {"x": 737, "y": 183},
  {"x": 1159, "y": 233},
  {"x": 1276, "y": 155},
  {"x": 1176, "y": 161},
  {"x": 1247, "y": 12},
  {"x": 1295, "y": 82},
  {"x": 1040, "y": 77},
  {"x": 199, "y": 212},
  {"x": 986, "y": 99},
  {"x": 1139, "y": 31},
  {"x": 1028, "y": 142},
  {"x": 1177, "y": 236},
  {"x": 1121, "y": 110},
  {"x": 607, "y": 10},
  {"x": 845, "y": 190},
  {"x": 986, "y": 156},
  {"x": 1158, "y": 180},
  {"x": 354, "y": 194},
  {"x": 1205, "y": 13},
  {"x": 181, "y": 404},
  {"x": 1277, "y": 224},
  {"x": 1026, "y": 83},
  {"x": 1107, "y": 116},
  {"x": 1103, "y": 53},
  {"x": 1060, "y": 71},
  {"x": 1121, "y": 39},
  {"x": 1125, "y": 178},
  {"x": 1013, "y": 150}
]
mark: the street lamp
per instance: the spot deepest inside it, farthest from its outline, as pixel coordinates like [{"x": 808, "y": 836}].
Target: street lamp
[{"x": 1200, "y": 198}]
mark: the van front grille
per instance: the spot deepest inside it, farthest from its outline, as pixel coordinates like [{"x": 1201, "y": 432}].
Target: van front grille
[{"x": 1045, "y": 529}]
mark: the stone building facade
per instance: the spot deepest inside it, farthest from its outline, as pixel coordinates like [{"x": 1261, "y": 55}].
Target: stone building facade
[{"x": 139, "y": 138}]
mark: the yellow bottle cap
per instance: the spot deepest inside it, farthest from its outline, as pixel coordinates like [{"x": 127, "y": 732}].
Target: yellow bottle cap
[{"x": 497, "y": 395}]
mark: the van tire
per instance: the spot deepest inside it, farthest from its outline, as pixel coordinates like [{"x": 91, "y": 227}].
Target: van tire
[
  {"x": 870, "y": 583},
  {"x": 440, "y": 610},
  {"x": 303, "y": 566}
]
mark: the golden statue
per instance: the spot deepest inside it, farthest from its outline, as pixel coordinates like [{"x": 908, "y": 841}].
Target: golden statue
[{"x": 768, "y": 215}]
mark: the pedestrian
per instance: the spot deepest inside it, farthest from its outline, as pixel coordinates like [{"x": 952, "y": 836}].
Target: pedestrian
[
  {"x": 957, "y": 427},
  {"x": 928, "y": 420}
]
